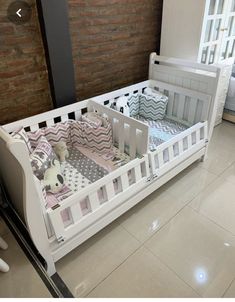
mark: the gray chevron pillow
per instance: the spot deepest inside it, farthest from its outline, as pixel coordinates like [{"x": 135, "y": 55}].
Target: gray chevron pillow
[
  {"x": 153, "y": 107},
  {"x": 134, "y": 104}
]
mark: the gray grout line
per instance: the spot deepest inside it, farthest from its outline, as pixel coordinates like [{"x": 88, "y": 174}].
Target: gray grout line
[
  {"x": 173, "y": 271},
  {"x": 212, "y": 221},
  {"x": 228, "y": 288},
  {"x": 164, "y": 225}
]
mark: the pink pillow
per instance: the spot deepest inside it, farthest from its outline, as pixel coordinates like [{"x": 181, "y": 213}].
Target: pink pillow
[
  {"x": 22, "y": 135},
  {"x": 42, "y": 157}
]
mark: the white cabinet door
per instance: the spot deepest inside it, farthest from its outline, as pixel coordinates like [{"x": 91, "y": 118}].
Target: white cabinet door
[
  {"x": 228, "y": 42},
  {"x": 212, "y": 31}
]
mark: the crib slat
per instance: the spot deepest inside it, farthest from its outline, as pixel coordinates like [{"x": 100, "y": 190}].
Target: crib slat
[
  {"x": 160, "y": 159},
  {"x": 94, "y": 201},
  {"x": 78, "y": 114},
  {"x": 132, "y": 139},
  {"x": 64, "y": 118},
  {"x": 76, "y": 212},
  {"x": 125, "y": 182},
  {"x": 121, "y": 135},
  {"x": 34, "y": 127},
  {"x": 137, "y": 173},
  {"x": 58, "y": 224},
  {"x": 198, "y": 136},
  {"x": 50, "y": 122},
  {"x": 205, "y": 110},
  {"x": 181, "y": 147},
  {"x": 180, "y": 111},
  {"x": 171, "y": 153},
  {"x": 192, "y": 110},
  {"x": 170, "y": 105},
  {"x": 189, "y": 139},
  {"x": 110, "y": 190}
]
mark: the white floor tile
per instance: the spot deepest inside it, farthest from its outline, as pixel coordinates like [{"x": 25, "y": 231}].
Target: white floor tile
[
  {"x": 22, "y": 281},
  {"x": 200, "y": 252},
  {"x": 230, "y": 292},
  {"x": 92, "y": 262},
  {"x": 189, "y": 183},
  {"x": 217, "y": 202},
  {"x": 229, "y": 174},
  {"x": 151, "y": 214},
  {"x": 142, "y": 275}
]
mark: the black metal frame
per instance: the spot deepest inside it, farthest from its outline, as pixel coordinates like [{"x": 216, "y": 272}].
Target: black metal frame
[{"x": 53, "y": 19}]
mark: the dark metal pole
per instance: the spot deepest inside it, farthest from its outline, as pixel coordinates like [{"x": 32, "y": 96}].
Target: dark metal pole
[{"x": 53, "y": 18}]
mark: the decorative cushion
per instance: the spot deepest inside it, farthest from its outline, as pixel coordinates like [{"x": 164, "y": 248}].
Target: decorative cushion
[
  {"x": 152, "y": 92},
  {"x": 22, "y": 135},
  {"x": 54, "y": 134},
  {"x": 92, "y": 118},
  {"x": 153, "y": 107},
  {"x": 41, "y": 158},
  {"x": 35, "y": 136},
  {"x": 134, "y": 104},
  {"x": 60, "y": 132},
  {"x": 98, "y": 139}
]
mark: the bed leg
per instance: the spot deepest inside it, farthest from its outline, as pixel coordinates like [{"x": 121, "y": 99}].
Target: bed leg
[
  {"x": 203, "y": 158},
  {"x": 51, "y": 270}
]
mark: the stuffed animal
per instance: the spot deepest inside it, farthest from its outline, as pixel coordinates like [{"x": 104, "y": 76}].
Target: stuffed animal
[
  {"x": 122, "y": 105},
  {"x": 61, "y": 151},
  {"x": 53, "y": 180}
]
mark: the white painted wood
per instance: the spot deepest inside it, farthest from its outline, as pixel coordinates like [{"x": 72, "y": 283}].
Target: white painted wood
[
  {"x": 45, "y": 116},
  {"x": 213, "y": 46},
  {"x": 50, "y": 122},
  {"x": 34, "y": 127},
  {"x": 110, "y": 190},
  {"x": 76, "y": 212},
  {"x": 181, "y": 22},
  {"x": 60, "y": 251},
  {"x": 14, "y": 157},
  {"x": 94, "y": 201}
]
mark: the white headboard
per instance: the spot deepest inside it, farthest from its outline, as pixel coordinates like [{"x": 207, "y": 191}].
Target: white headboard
[{"x": 187, "y": 74}]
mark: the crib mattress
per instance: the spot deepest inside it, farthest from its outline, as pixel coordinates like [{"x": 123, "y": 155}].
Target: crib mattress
[
  {"x": 161, "y": 131},
  {"x": 84, "y": 167}
]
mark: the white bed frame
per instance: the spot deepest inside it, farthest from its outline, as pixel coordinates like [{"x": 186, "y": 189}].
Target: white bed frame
[{"x": 50, "y": 235}]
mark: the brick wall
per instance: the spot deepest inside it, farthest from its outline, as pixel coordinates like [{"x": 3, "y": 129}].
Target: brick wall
[
  {"x": 24, "y": 88},
  {"x": 111, "y": 41}
]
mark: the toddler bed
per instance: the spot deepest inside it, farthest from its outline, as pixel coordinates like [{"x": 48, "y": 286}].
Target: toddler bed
[{"x": 65, "y": 221}]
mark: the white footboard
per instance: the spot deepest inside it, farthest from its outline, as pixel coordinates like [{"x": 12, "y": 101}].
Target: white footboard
[
  {"x": 179, "y": 148},
  {"x": 101, "y": 198}
]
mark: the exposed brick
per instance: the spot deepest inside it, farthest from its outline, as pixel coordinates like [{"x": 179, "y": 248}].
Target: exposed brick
[
  {"x": 111, "y": 41},
  {"x": 24, "y": 88}
]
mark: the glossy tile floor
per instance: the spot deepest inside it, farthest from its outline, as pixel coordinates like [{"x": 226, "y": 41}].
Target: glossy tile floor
[
  {"x": 22, "y": 281},
  {"x": 178, "y": 242}
]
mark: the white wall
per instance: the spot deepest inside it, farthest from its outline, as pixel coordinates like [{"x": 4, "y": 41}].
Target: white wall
[{"x": 181, "y": 28}]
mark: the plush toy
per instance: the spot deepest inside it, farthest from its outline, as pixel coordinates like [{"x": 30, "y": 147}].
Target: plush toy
[
  {"x": 61, "y": 151},
  {"x": 53, "y": 180},
  {"x": 122, "y": 105}
]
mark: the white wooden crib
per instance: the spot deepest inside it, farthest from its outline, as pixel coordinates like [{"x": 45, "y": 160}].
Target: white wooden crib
[{"x": 149, "y": 170}]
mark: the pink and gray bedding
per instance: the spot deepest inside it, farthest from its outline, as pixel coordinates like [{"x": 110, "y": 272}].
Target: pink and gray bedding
[
  {"x": 54, "y": 134},
  {"x": 76, "y": 171},
  {"x": 98, "y": 139},
  {"x": 93, "y": 132},
  {"x": 22, "y": 135},
  {"x": 92, "y": 118},
  {"x": 85, "y": 165},
  {"x": 41, "y": 158}
]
